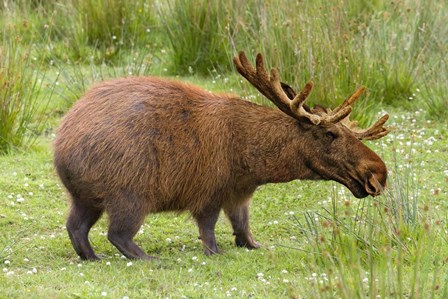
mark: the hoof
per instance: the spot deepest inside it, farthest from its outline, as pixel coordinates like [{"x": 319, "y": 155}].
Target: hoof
[{"x": 247, "y": 242}]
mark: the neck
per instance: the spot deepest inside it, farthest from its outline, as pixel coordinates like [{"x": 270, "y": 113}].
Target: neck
[{"x": 272, "y": 147}]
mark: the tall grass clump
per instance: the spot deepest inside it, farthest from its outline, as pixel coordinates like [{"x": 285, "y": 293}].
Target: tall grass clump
[
  {"x": 108, "y": 26},
  {"x": 195, "y": 33},
  {"x": 84, "y": 30},
  {"x": 99, "y": 30},
  {"x": 21, "y": 83},
  {"x": 435, "y": 94},
  {"x": 26, "y": 17},
  {"x": 374, "y": 247},
  {"x": 434, "y": 90}
]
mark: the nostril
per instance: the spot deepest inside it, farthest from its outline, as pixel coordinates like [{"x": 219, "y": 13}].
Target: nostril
[{"x": 372, "y": 186}]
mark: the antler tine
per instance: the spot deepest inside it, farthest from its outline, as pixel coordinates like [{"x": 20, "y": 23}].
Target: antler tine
[
  {"x": 337, "y": 116},
  {"x": 344, "y": 110},
  {"x": 297, "y": 104},
  {"x": 271, "y": 87},
  {"x": 350, "y": 100},
  {"x": 376, "y": 131}
]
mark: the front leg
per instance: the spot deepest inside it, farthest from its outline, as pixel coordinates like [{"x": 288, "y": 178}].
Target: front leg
[
  {"x": 239, "y": 217},
  {"x": 206, "y": 221}
]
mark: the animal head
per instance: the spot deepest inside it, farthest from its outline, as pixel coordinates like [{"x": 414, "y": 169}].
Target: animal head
[{"x": 331, "y": 143}]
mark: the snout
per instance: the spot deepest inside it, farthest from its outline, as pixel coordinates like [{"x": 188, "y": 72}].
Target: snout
[{"x": 370, "y": 181}]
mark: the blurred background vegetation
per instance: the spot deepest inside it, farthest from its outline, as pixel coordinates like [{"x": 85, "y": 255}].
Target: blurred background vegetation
[{"x": 397, "y": 49}]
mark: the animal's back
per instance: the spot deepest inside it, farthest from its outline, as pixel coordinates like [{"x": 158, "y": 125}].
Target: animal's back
[{"x": 156, "y": 139}]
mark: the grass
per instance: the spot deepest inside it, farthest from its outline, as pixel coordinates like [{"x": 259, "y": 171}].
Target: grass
[{"x": 318, "y": 240}]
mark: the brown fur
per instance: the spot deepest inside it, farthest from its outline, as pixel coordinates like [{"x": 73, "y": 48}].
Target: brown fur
[{"x": 144, "y": 145}]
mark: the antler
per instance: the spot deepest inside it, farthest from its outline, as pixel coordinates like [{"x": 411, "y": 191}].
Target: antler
[
  {"x": 271, "y": 87},
  {"x": 376, "y": 131}
]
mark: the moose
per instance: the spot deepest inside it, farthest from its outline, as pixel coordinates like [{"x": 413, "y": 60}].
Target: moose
[{"x": 139, "y": 145}]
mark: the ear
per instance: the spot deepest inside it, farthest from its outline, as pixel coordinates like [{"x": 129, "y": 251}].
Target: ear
[
  {"x": 305, "y": 123},
  {"x": 319, "y": 110},
  {"x": 288, "y": 90}
]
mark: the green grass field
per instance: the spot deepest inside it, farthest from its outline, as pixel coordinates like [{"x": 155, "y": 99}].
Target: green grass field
[{"x": 318, "y": 241}]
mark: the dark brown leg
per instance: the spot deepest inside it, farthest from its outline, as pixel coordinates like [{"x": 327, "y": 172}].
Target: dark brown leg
[
  {"x": 124, "y": 224},
  {"x": 206, "y": 221},
  {"x": 239, "y": 217},
  {"x": 79, "y": 222}
]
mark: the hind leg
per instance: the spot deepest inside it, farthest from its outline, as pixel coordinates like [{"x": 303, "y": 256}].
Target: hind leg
[
  {"x": 125, "y": 218},
  {"x": 239, "y": 217},
  {"x": 81, "y": 218}
]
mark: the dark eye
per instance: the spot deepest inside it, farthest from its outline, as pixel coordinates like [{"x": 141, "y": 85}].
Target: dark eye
[{"x": 330, "y": 135}]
